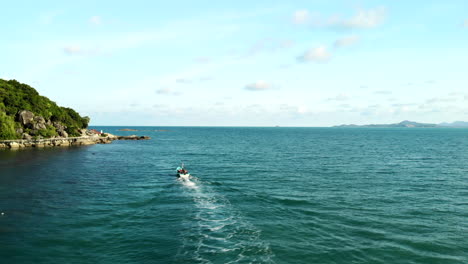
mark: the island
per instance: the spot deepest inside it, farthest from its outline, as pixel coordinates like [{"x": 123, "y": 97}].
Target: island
[
  {"x": 28, "y": 119},
  {"x": 411, "y": 124}
]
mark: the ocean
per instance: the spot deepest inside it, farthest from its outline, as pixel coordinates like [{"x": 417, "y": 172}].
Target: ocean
[{"x": 257, "y": 195}]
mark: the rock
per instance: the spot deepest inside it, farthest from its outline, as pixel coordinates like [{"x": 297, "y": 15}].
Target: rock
[
  {"x": 60, "y": 129},
  {"x": 133, "y": 137},
  {"x": 19, "y": 131},
  {"x": 39, "y": 123},
  {"x": 13, "y": 145},
  {"x": 25, "y": 117},
  {"x": 59, "y": 126},
  {"x": 63, "y": 133},
  {"x": 26, "y": 136},
  {"x": 83, "y": 132}
]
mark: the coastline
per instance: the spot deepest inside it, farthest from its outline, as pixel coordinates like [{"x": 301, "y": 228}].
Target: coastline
[{"x": 66, "y": 141}]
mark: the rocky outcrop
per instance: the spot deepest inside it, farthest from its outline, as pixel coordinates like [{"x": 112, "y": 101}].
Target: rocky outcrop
[
  {"x": 25, "y": 117},
  {"x": 87, "y": 139},
  {"x": 39, "y": 123},
  {"x": 31, "y": 123},
  {"x": 133, "y": 137},
  {"x": 54, "y": 142},
  {"x": 60, "y": 129}
]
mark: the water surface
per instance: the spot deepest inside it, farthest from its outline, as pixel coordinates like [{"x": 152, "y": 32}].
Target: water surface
[{"x": 259, "y": 195}]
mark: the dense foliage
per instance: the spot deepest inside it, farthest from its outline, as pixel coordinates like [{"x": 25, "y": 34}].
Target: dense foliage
[{"x": 16, "y": 96}]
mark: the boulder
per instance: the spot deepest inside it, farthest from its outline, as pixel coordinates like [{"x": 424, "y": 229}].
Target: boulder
[
  {"x": 63, "y": 133},
  {"x": 26, "y": 136},
  {"x": 39, "y": 123},
  {"x": 14, "y": 145},
  {"x": 19, "y": 131},
  {"x": 25, "y": 117},
  {"x": 60, "y": 129}
]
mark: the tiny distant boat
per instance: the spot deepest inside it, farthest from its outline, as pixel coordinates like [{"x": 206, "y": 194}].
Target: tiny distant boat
[{"x": 182, "y": 172}]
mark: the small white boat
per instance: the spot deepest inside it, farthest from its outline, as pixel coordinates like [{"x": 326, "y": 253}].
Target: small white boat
[{"x": 183, "y": 173}]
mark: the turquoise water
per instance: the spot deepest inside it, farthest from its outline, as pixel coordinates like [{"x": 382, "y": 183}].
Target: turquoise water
[{"x": 259, "y": 195}]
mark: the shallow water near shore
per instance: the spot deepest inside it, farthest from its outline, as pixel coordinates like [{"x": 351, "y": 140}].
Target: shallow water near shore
[{"x": 258, "y": 195}]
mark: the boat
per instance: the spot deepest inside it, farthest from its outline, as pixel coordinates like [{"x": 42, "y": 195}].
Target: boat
[{"x": 182, "y": 172}]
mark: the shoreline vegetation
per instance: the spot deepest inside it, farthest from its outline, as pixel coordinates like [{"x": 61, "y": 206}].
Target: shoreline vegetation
[{"x": 28, "y": 119}]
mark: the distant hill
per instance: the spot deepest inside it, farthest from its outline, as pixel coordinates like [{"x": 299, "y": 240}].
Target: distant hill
[
  {"x": 405, "y": 123},
  {"x": 26, "y": 114},
  {"x": 454, "y": 124}
]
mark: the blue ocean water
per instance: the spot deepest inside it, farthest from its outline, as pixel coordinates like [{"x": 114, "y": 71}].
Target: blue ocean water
[{"x": 258, "y": 195}]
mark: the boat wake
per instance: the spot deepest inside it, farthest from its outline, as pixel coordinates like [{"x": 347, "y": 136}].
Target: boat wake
[
  {"x": 188, "y": 182},
  {"x": 214, "y": 232}
]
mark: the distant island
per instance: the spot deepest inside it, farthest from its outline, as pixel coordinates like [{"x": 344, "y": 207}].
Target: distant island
[
  {"x": 28, "y": 119},
  {"x": 410, "y": 124}
]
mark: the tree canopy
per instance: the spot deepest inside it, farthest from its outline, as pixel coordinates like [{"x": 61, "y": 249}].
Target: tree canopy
[{"x": 16, "y": 96}]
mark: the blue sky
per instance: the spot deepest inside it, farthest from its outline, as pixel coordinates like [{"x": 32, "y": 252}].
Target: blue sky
[{"x": 242, "y": 63}]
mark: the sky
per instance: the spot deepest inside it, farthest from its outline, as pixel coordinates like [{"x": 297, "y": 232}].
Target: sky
[{"x": 242, "y": 63}]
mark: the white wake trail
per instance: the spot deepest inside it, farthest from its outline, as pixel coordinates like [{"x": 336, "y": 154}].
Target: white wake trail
[{"x": 215, "y": 232}]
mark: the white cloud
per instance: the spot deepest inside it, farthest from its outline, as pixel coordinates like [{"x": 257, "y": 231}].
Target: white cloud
[
  {"x": 318, "y": 54},
  {"x": 366, "y": 18},
  {"x": 346, "y": 41},
  {"x": 95, "y": 20},
  {"x": 301, "y": 16},
  {"x": 258, "y": 86}
]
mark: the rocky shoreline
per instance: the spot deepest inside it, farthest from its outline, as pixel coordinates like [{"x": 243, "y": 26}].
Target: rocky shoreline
[{"x": 89, "y": 138}]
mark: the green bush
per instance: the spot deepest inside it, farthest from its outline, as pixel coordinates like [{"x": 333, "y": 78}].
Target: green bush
[
  {"x": 48, "y": 132},
  {"x": 7, "y": 127}
]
